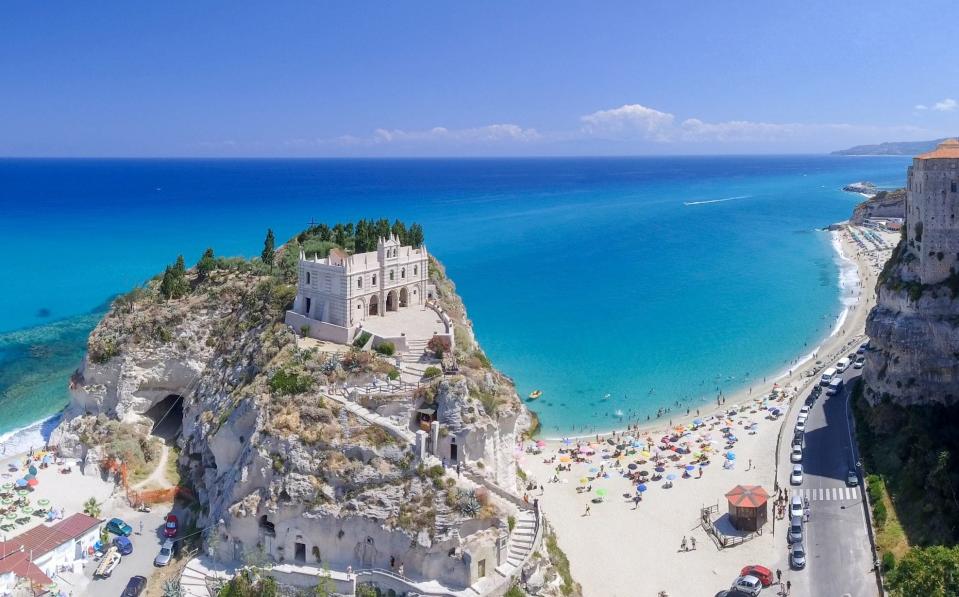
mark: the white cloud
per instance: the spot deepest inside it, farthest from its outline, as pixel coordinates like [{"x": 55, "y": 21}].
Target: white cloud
[
  {"x": 922, "y": 107},
  {"x": 493, "y": 133},
  {"x": 628, "y": 120},
  {"x": 946, "y": 105}
]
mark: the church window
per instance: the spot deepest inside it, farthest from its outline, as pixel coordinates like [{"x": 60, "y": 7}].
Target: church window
[
  {"x": 307, "y": 278},
  {"x": 392, "y": 275},
  {"x": 359, "y": 282},
  {"x": 414, "y": 270},
  {"x": 374, "y": 279},
  {"x": 403, "y": 273}
]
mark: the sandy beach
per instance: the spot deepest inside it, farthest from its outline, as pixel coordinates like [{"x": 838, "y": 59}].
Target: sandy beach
[{"x": 618, "y": 535}]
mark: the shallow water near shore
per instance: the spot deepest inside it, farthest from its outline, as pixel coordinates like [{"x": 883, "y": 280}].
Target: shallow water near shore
[{"x": 614, "y": 285}]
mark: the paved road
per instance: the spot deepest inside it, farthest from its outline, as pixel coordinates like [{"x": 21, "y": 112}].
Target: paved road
[{"x": 837, "y": 544}]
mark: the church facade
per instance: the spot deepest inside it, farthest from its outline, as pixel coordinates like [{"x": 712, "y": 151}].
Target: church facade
[{"x": 337, "y": 293}]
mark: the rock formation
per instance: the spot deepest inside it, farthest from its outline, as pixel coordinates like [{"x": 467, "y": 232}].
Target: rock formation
[
  {"x": 884, "y": 204},
  {"x": 282, "y": 469},
  {"x": 914, "y": 328}
]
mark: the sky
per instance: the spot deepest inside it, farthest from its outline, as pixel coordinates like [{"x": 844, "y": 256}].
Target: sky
[{"x": 412, "y": 78}]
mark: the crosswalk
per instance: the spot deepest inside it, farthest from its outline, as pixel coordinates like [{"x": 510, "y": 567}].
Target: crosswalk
[{"x": 822, "y": 494}]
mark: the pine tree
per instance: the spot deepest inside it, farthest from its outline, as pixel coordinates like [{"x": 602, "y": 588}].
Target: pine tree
[
  {"x": 205, "y": 265},
  {"x": 416, "y": 235},
  {"x": 399, "y": 231},
  {"x": 269, "y": 252}
]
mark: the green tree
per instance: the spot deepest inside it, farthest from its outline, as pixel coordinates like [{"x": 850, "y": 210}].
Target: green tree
[
  {"x": 205, "y": 265},
  {"x": 269, "y": 250},
  {"x": 92, "y": 508},
  {"x": 382, "y": 228},
  {"x": 325, "y": 587},
  {"x": 416, "y": 235},
  {"x": 927, "y": 571},
  {"x": 399, "y": 231},
  {"x": 173, "y": 285}
]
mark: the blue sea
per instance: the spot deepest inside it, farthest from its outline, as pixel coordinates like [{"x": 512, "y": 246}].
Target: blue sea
[{"x": 648, "y": 280}]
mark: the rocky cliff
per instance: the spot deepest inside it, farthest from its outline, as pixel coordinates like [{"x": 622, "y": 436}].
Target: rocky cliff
[
  {"x": 913, "y": 332},
  {"x": 281, "y": 468},
  {"x": 884, "y": 204}
]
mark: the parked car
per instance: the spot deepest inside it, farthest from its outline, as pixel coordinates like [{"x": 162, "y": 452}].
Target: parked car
[
  {"x": 796, "y": 477},
  {"x": 801, "y": 425},
  {"x": 797, "y": 556},
  {"x": 166, "y": 553},
  {"x": 804, "y": 410},
  {"x": 859, "y": 363},
  {"x": 795, "y": 506},
  {"x": 795, "y": 530},
  {"x": 170, "y": 526},
  {"x": 862, "y": 348},
  {"x": 135, "y": 587},
  {"x": 852, "y": 478},
  {"x": 123, "y": 545},
  {"x": 748, "y": 584},
  {"x": 118, "y": 527},
  {"x": 765, "y": 575},
  {"x": 796, "y": 455}
]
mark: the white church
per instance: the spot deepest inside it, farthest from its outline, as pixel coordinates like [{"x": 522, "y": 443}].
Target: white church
[{"x": 338, "y": 293}]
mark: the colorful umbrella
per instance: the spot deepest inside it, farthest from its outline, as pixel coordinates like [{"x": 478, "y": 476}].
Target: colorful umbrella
[
  {"x": 564, "y": 458},
  {"x": 690, "y": 468},
  {"x": 32, "y": 482},
  {"x": 601, "y": 492},
  {"x": 7, "y": 486},
  {"x": 641, "y": 487},
  {"x": 21, "y": 482},
  {"x": 730, "y": 455},
  {"x": 32, "y": 470},
  {"x": 671, "y": 477},
  {"x": 43, "y": 502},
  {"x": 540, "y": 443}
]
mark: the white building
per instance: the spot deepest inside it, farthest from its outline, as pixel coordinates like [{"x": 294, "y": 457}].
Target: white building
[
  {"x": 336, "y": 294},
  {"x": 35, "y": 556}
]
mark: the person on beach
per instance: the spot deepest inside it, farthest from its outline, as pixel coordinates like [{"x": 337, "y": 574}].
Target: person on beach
[
  {"x": 587, "y": 510},
  {"x": 692, "y": 540},
  {"x": 682, "y": 546}
]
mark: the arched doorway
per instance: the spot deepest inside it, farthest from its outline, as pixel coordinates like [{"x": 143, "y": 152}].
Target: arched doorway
[
  {"x": 374, "y": 305},
  {"x": 404, "y": 297},
  {"x": 167, "y": 417},
  {"x": 391, "y": 300}
]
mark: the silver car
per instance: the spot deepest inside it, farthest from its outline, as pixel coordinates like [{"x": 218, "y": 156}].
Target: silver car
[
  {"x": 795, "y": 534},
  {"x": 796, "y": 477},
  {"x": 795, "y": 507},
  {"x": 166, "y": 553},
  {"x": 797, "y": 556}
]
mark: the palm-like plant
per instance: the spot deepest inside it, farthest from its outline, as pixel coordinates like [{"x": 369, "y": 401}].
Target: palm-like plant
[{"x": 91, "y": 508}]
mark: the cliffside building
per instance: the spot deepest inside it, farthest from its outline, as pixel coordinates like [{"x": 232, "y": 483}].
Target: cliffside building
[
  {"x": 337, "y": 293},
  {"x": 932, "y": 200}
]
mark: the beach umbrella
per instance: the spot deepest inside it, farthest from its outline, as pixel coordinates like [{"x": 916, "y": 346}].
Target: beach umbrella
[
  {"x": 23, "y": 492},
  {"x": 26, "y": 510},
  {"x": 7, "y": 500},
  {"x": 671, "y": 477},
  {"x": 32, "y": 470},
  {"x": 7, "y": 486},
  {"x": 12, "y": 516},
  {"x": 690, "y": 468},
  {"x": 43, "y": 502},
  {"x": 21, "y": 482},
  {"x": 32, "y": 482},
  {"x": 29, "y": 476},
  {"x": 601, "y": 492},
  {"x": 641, "y": 487},
  {"x": 731, "y": 455},
  {"x": 584, "y": 480},
  {"x": 660, "y": 469},
  {"x": 632, "y": 466},
  {"x": 564, "y": 458},
  {"x": 48, "y": 459},
  {"x": 540, "y": 443},
  {"x": 567, "y": 441},
  {"x": 697, "y": 421},
  {"x": 593, "y": 469}
]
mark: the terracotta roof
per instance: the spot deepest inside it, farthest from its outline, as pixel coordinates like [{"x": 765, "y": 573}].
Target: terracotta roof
[
  {"x": 76, "y": 525},
  {"x": 948, "y": 149},
  {"x": 19, "y": 563},
  {"x": 42, "y": 539},
  {"x": 747, "y": 496}
]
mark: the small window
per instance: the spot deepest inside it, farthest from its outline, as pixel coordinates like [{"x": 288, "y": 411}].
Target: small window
[
  {"x": 374, "y": 279},
  {"x": 359, "y": 282},
  {"x": 307, "y": 278},
  {"x": 403, "y": 273},
  {"x": 415, "y": 272},
  {"x": 392, "y": 276},
  {"x": 952, "y": 186}
]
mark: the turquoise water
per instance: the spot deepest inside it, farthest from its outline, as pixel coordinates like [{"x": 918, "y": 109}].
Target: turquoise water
[{"x": 584, "y": 277}]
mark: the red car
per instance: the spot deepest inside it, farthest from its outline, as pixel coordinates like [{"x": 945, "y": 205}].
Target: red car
[
  {"x": 764, "y": 574},
  {"x": 169, "y": 527}
]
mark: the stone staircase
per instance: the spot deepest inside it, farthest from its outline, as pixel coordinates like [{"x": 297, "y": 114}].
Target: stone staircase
[
  {"x": 520, "y": 541},
  {"x": 196, "y": 578},
  {"x": 414, "y": 361}
]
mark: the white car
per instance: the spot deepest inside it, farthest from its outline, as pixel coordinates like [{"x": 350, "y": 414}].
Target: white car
[
  {"x": 801, "y": 425},
  {"x": 796, "y": 477},
  {"x": 804, "y": 410},
  {"x": 795, "y": 507},
  {"x": 796, "y": 455},
  {"x": 859, "y": 363},
  {"x": 749, "y": 585},
  {"x": 166, "y": 552}
]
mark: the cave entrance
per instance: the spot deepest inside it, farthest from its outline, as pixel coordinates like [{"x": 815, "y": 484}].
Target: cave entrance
[
  {"x": 299, "y": 555},
  {"x": 167, "y": 416}
]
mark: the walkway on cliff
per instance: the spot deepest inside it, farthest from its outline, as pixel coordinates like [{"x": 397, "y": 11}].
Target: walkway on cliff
[{"x": 157, "y": 479}]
